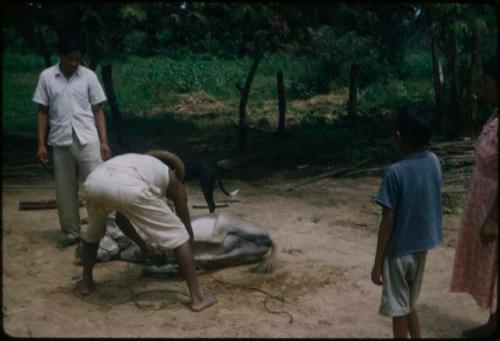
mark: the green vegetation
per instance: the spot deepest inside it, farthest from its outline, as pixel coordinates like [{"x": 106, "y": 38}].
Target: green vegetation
[
  {"x": 177, "y": 69},
  {"x": 452, "y": 202},
  {"x": 146, "y": 83}
]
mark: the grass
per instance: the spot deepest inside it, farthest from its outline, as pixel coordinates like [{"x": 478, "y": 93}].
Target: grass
[
  {"x": 150, "y": 91},
  {"x": 142, "y": 84},
  {"x": 145, "y": 83},
  {"x": 452, "y": 202},
  {"x": 20, "y": 76}
]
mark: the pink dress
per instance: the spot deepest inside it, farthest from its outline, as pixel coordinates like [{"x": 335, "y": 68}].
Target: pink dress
[{"x": 475, "y": 267}]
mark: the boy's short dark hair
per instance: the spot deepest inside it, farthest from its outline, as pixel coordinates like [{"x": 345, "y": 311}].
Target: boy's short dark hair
[
  {"x": 414, "y": 123},
  {"x": 70, "y": 43}
]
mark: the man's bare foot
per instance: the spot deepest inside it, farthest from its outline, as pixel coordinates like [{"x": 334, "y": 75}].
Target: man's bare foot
[
  {"x": 83, "y": 288},
  {"x": 206, "y": 301}
]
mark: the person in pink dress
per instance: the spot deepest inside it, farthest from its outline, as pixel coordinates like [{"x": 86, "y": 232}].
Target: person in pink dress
[{"x": 475, "y": 267}]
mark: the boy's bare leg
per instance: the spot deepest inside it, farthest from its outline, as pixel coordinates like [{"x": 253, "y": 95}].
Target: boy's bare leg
[
  {"x": 400, "y": 327},
  {"x": 414, "y": 325},
  {"x": 185, "y": 258},
  {"x": 89, "y": 253}
]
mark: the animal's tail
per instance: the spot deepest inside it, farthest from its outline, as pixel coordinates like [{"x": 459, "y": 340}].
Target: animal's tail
[
  {"x": 224, "y": 190},
  {"x": 268, "y": 264}
]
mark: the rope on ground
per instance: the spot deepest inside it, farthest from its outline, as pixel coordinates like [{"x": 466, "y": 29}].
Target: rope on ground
[
  {"x": 290, "y": 321},
  {"x": 134, "y": 296},
  {"x": 276, "y": 297}
]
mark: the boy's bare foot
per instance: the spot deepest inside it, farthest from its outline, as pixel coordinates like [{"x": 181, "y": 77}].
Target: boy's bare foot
[
  {"x": 83, "y": 288},
  {"x": 206, "y": 301}
]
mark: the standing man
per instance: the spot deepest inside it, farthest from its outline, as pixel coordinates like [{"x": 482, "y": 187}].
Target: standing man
[{"x": 68, "y": 97}]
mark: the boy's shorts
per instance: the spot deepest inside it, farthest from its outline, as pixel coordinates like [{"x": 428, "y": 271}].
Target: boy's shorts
[
  {"x": 109, "y": 189},
  {"x": 401, "y": 278}
]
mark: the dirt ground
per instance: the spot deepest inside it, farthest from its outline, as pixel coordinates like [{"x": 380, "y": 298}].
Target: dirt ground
[{"x": 325, "y": 234}]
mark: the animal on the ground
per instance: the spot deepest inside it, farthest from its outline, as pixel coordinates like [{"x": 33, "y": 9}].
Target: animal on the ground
[{"x": 221, "y": 240}]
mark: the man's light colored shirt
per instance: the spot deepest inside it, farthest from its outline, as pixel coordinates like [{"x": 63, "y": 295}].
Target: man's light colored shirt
[{"x": 70, "y": 104}]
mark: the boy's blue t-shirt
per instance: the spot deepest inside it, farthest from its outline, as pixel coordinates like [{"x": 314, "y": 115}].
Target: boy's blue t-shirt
[{"x": 412, "y": 189}]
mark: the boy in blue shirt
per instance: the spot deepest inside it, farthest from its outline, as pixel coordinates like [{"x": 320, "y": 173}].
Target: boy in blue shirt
[{"x": 410, "y": 196}]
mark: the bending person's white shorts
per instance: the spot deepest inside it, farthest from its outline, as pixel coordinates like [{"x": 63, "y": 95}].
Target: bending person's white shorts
[{"x": 111, "y": 188}]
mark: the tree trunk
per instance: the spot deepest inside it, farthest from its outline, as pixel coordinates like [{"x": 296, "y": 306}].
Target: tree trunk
[
  {"x": 353, "y": 91},
  {"x": 281, "y": 104},
  {"x": 455, "y": 129},
  {"x": 35, "y": 38},
  {"x": 470, "y": 100},
  {"x": 243, "y": 123},
  {"x": 42, "y": 47},
  {"x": 93, "y": 62},
  {"x": 438, "y": 86},
  {"x": 107, "y": 79}
]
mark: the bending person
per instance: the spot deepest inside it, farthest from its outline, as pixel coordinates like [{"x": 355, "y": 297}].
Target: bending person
[{"x": 135, "y": 186}]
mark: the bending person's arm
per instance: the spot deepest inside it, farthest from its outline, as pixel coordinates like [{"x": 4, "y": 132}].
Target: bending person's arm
[{"x": 177, "y": 193}]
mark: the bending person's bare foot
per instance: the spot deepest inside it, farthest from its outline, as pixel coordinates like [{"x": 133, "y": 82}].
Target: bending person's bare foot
[
  {"x": 206, "y": 301},
  {"x": 83, "y": 288}
]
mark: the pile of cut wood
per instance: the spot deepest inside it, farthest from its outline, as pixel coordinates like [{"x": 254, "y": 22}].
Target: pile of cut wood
[{"x": 457, "y": 154}]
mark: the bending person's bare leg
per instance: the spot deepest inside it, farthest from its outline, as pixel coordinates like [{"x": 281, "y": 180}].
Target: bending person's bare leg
[
  {"x": 185, "y": 258},
  {"x": 89, "y": 253}
]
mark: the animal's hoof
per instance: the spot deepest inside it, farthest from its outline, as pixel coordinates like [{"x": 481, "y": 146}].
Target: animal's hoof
[{"x": 262, "y": 268}]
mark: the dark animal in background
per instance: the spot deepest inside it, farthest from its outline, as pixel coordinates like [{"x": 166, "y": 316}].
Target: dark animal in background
[{"x": 206, "y": 172}]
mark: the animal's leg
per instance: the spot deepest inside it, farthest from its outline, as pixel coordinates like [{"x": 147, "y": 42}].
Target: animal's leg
[
  {"x": 185, "y": 258},
  {"x": 207, "y": 183}
]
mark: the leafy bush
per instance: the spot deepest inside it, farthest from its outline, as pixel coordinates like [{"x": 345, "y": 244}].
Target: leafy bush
[
  {"x": 451, "y": 202},
  {"x": 336, "y": 51},
  {"x": 307, "y": 82},
  {"x": 390, "y": 94},
  {"x": 417, "y": 65}
]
